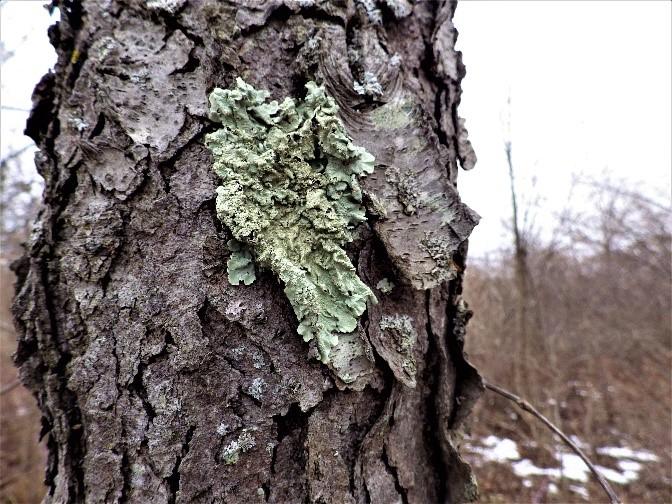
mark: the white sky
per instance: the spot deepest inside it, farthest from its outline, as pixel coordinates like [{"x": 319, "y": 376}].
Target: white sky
[
  {"x": 589, "y": 83},
  {"x": 590, "y": 90},
  {"x": 23, "y": 31}
]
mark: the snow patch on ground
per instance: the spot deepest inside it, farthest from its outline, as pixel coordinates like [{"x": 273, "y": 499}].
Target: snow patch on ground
[
  {"x": 578, "y": 489},
  {"x": 617, "y": 477},
  {"x": 571, "y": 466},
  {"x": 628, "y": 453},
  {"x": 497, "y": 449},
  {"x": 629, "y": 465}
]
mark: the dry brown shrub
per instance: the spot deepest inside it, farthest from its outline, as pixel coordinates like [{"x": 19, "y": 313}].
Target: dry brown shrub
[{"x": 601, "y": 358}]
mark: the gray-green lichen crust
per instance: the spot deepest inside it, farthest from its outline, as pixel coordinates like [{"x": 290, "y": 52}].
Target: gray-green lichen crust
[
  {"x": 240, "y": 266},
  {"x": 289, "y": 191}
]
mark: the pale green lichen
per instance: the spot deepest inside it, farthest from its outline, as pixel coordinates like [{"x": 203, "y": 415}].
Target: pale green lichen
[
  {"x": 169, "y": 6},
  {"x": 230, "y": 453},
  {"x": 240, "y": 266},
  {"x": 374, "y": 205},
  {"x": 289, "y": 191},
  {"x": 349, "y": 360},
  {"x": 256, "y": 388},
  {"x": 369, "y": 85},
  {"x": 395, "y": 114},
  {"x": 385, "y": 286}
]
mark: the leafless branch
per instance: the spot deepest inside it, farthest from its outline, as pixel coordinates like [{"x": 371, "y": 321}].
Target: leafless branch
[
  {"x": 9, "y": 387},
  {"x": 16, "y": 153},
  {"x": 525, "y": 406},
  {"x": 14, "y": 109}
]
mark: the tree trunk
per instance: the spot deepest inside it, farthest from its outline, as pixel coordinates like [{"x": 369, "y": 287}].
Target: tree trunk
[{"x": 158, "y": 380}]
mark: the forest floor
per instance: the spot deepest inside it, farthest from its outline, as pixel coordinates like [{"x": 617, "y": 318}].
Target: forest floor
[
  {"x": 22, "y": 458},
  {"x": 515, "y": 463},
  {"x": 616, "y": 406}
]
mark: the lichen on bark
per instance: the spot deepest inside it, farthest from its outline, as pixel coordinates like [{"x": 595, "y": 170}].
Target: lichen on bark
[
  {"x": 153, "y": 373},
  {"x": 289, "y": 190}
]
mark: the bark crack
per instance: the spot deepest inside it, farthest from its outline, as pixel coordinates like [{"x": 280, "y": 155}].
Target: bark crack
[
  {"x": 435, "y": 429},
  {"x": 174, "y": 479},
  {"x": 403, "y": 493}
]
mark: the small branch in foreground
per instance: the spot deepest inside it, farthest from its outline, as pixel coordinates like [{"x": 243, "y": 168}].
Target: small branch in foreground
[
  {"x": 525, "y": 406},
  {"x": 9, "y": 387}
]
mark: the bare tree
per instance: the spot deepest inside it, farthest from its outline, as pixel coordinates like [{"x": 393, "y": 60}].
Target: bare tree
[{"x": 158, "y": 380}]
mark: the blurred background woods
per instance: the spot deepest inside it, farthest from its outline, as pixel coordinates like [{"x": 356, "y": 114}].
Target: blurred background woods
[
  {"x": 596, "y": 314},
  {"x": 22, "y": 458},
  {"x": 575, "y": 316}
]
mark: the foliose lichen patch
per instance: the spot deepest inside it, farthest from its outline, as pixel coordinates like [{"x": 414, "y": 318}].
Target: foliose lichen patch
[
  {"x": 230, "y": 453},
  {"x": 289, "y": 191},
  {"x": 385, "y": 285},
  {"x": 240, "y": 266}
]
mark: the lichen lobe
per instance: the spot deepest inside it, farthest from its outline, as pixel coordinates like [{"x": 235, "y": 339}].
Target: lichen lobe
[{"x": 289, "y": 191}]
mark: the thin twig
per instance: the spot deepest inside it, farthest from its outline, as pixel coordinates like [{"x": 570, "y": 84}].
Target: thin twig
[
  {"x": 525, "y": 406},
  {"x": 15, "y": 154},
  {"x": 10, "y": 386},
  {"x": 14, "y": 109}
]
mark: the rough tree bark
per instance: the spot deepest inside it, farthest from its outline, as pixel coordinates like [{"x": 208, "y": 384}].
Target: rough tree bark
[{"x": 161, "y": 382}]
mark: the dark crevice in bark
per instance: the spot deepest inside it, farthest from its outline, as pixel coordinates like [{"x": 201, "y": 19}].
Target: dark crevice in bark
[
  {"x": 428, "y": 66},
  {"x": 73, "y": 12},
  {"x": 316, "y": 14},
  {"x": 210, "y": 207},
  {"x": 166, "y": 164},
  {"x": 114, "y": 72},
  {"x": 66, "y": 399},
  {"x": 353, "y": 57},
  {"x": 294, "y": 419},
  {"x": 99, "y": 126},
  {"x": 367, "y": 494},
  {"x": 116, "y": 253},
  {"x": 42, "y": 113},
  {"x": 267, "y": 490},
  {"x": 61, "y": 199},
  {"x": 126, "y": 476},
  {"x": 117, "y": 365},
  {"x": 202, "y": 312},
  {"x": 52, "y": 461},
  {"x": 285, "y": 424},
  {"x": 75, "y": 443},
  {"x": 279, "y": 13},
  {"x": 468, "y": 383},
  {"x": 353, "y": 46},
  {"x": 403, "y": 493},
  {"x": 172, "y": 24},
  {"x": 174, "y": 479},
  {"x": 190, "y": 66},
  {"x": 138, "y": 388},
  {"x": 433, "y": 427}
]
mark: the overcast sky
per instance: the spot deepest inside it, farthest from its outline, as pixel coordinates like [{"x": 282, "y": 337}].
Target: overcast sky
[
  {"x": 590, "y": 91},
  {"x": 589, "y": 83}
]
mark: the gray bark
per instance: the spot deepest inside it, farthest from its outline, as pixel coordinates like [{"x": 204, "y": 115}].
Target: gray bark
[{"x": 150, "y": 369}]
